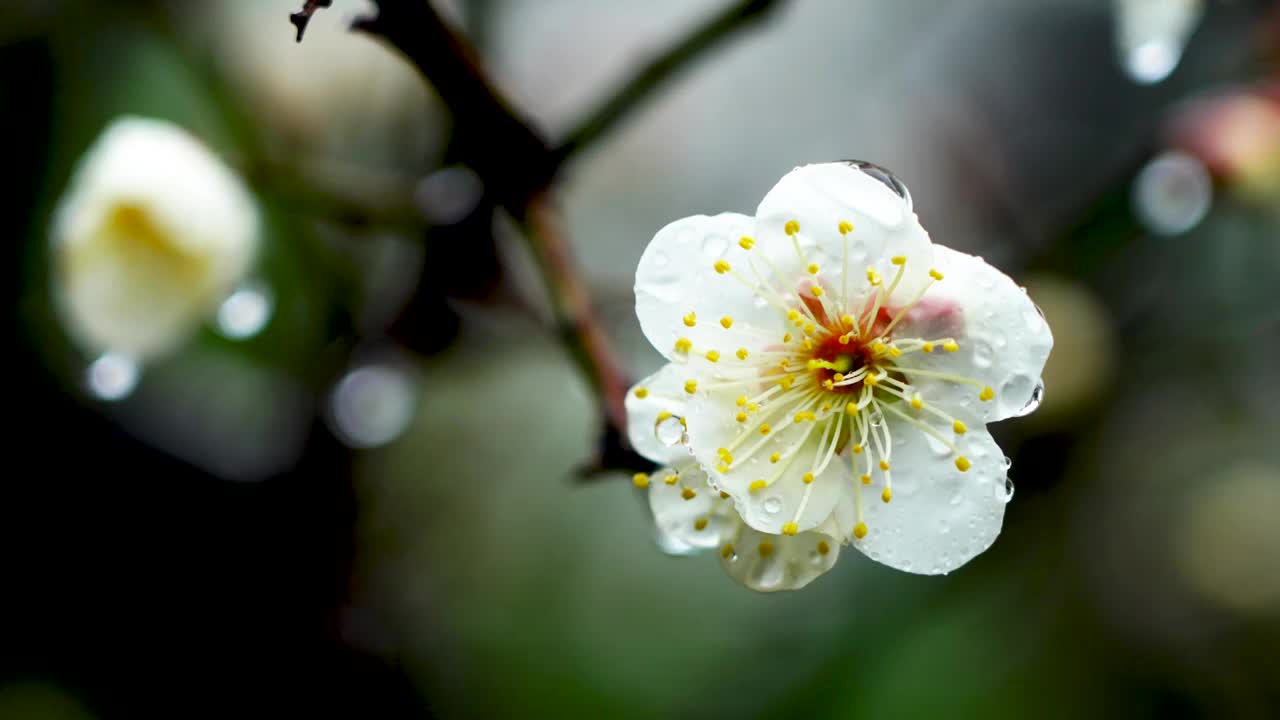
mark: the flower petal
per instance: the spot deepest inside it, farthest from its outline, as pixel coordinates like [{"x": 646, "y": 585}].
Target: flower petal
[
  {"x": 787, "y": 498},
  {"x": 680, "y": 293},
  {"x": 939, "y": 517},
  {"x": 768, "y": 563},
  {"x": 655, "y": 408},
  {"x": 1004, "y": 340},
  {"x": 685, "y": 521},
  {"x": 822, "y": 197}
]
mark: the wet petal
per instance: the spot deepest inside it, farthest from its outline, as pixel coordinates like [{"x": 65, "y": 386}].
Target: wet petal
[
  {"x": 768, "y": 563},
  {"x": 655, "y": 407},
  {"x": 820, "y": 198},
  {"x": 787, "y": 498},
  {"x": 1004, "y": 340},
  {"x": 688, "y": 521},
  {"x": 681, "y": 295},
  {"x": 939, "y": 517}
]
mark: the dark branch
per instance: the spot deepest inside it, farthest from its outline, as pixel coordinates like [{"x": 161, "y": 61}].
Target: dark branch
[
  {"x": 660, "y": 70},
  {"x": 488, "y": 134},
  {"x": 303, "y": 16}
]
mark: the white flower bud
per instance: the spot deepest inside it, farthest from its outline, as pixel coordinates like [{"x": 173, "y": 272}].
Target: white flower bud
[{"x": 151, "y": 234}]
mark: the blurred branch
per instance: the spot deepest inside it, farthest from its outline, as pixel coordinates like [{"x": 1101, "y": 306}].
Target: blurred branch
[
  {"x": 489, "y": 135},
  {"x": 661, "y": 69},
  {"x": 519, "y": 168}
]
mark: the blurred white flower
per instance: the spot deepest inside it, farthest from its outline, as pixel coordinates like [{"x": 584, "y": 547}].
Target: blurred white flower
[
  {"x": 691, "y": 516},
  {"x": 1151, "y": 34},
  {"x": 823, "y": 355},
  {"x": 150, "y": 236}
]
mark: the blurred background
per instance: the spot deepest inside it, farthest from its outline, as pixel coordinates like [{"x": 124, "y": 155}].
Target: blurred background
[{"x": 355, "y": 489}]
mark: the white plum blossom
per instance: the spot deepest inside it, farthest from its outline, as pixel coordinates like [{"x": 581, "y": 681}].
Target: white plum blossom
[
  {"x": 691, "y": 516},
  {"x": 839, "y": 369},
  {"x": 152, "y": 233}
]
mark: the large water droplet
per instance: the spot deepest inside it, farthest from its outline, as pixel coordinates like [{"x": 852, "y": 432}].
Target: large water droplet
[
  {"x": 885, "y": 177},
  {"x": 245, "y": 312},
  {"x": 876, "y": 418},
  {"x": 1037, "y": 397},
  {"x": 669, "y": 430},
  {"x": 772, "y": 504},
  {"x": 715, "y": 245},
  {"x": 1172, "y": 194},
  {"x": 1004, "y": 491},
  {"x": 113, "y": 376}
]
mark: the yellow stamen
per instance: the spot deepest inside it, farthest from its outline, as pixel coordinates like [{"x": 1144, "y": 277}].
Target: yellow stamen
[
  {"x": 866, "y": 479},
  {"x": 774, "y": 458},
  {"x": 792, "y": 227},
  {"x": 935, "y": 274},
  {"x": 726, "y": 551},
  {"x": 813, "y": 268},
  {"x": 691, "y": 319},
  {"x": 642, "y": 393},
  {"x": 684, "y": 345},
  {"x": 671, "y": 479},
  {"x": 700, "y": 524},
  {"x": 899, "y": 259},
  {"x": 808, "y": 478},
  {"x": 691, "y": 386},
  {"x": 790, "y": 528},
  {"x": 640, "y": 480},
  {"x": 860, "y": 530},
  {"x": 742, "y": 353},
  {"x": 845, "y": 227},
  {"x": 963, "y": 464},
  {"x": 959, "y": 427},
  {"x": 986, "y": 394},
  {"x": 765, "y": 549},
  {"x": 722, "y": 266},
  {"x": 726, "y": 322},
  {"x": 887, "y": 495},
  {"x": 688, "y": 493},
  {"x": 757, "y": 485},
  {"x": 951, "y": 346},
  {"x": 746, "y": 243}
]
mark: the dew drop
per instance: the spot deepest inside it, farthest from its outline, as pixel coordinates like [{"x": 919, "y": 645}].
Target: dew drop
[
  {"x": 113, "y": 376},
  {"x": 669, "y": 430},
  {"x": 876, "y": 418},
  {"x": 885, "y": 177},
  {"x": 715, "y": 245},
  {"x": 1004, "y": 493},
  {"x": 1037, "y": 397},
  {"x": 772, "y": 504}
]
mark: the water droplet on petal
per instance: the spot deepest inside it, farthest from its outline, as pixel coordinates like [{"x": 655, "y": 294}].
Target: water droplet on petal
[
  {"x": 113, "y": 376},
  {"x": 1004, "y": 491},
  {"x": 715, "y": 245},
  {"x": 876, "y": 418},
  {"x": 669, "y": 430},
  {"x": 1037, "y": 397},
  {"x": 772, "y": 504},
  {"x": 885, "y": 177},
  {"x": 1172, "y": 194},
  {"x": 245, "y": 312}
]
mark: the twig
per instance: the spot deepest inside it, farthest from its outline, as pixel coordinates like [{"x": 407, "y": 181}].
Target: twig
[
  {"x": 489, "y": 136},
  {"x": 660, "y": 70},
  {"x": 519, "y": 168}
]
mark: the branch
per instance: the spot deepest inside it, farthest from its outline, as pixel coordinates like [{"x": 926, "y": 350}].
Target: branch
[
  {"x": 660, "y": 70},
  {"x": 489, "y": 136},
  {"x": 519, "y": 167}
]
